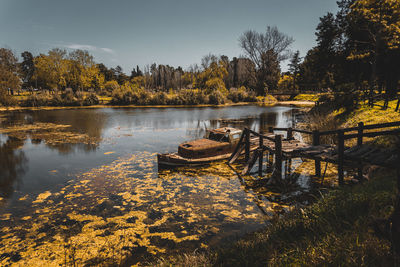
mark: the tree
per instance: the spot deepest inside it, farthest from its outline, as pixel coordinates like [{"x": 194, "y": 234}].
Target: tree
[
  {"x": 119, "y": 75},
  {"x": 294, "y": 67},
  {"x": 107, "y": 73},
  {"x": 136, "y": 72},
  {"x": 269, "y": 74},
  {"x": 256, "y": 44},
  {"x": 207, "y": 60},
  {"x": 82, "y": 71},
  {"x": 27, "y": 68},
  {"x": 8, "y": 74},
  {"x": 379, "y": 41},
  {"x": 259, "y": 47},
  {"x": 51, "y": 70}
]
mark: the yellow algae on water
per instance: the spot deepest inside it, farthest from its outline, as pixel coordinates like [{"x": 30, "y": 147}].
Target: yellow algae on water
[
  {"x": 5, "y": 217},
  {"x": 41, "y": 197},
  {"x": 109, "y": 152},
  {"x": 121, "y": 206}
]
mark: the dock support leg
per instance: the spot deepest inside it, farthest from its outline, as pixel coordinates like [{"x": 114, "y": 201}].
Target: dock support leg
[
  {"x": 278, "y": 157},
  {"x": 247, "y": 145},
  {"x": 270, "y": 160},
  {"x": 341, "y": 157},
  {"x": 260, "y": 157},
  {"x": 316, "y": 142},
  {"x": 359, "y": 143}
]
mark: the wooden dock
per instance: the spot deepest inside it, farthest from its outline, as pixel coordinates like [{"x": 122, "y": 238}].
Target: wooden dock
[{"x": 285, "y": 147}]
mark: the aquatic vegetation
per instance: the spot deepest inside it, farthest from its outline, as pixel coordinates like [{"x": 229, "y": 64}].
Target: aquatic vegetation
[
  {"x": 52, "y": 134},
  {"x": 128, "y": 210}
]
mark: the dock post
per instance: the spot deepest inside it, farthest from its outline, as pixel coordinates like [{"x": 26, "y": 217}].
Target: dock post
[
  {"x": 260, "y": 157},
  {"x": 341, "y": 156},
  {"x": 278, "y": 156},
  {"x": 247, "y": 145},
  {"x": 289, "y": 134},
  {"x": 316, "y": 142},
  {"x": 270, "y": 161},
  {"x": 359, "y": 143}
]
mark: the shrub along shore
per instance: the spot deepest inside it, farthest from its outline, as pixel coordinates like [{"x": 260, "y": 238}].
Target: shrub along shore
[{"x": 139, "y": 98}]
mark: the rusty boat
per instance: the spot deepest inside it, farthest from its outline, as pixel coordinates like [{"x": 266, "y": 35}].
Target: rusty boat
[{"x": 218, "y": 144}]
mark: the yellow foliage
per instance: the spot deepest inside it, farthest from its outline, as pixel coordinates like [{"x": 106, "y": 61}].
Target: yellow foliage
[
  {"x": 216, "y": 84},
  {"x": 285, "y": 82},
  {"x": 385, "y": 15}
]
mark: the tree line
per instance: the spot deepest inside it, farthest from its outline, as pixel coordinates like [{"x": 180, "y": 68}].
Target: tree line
[{"x": 358, "y": 48}]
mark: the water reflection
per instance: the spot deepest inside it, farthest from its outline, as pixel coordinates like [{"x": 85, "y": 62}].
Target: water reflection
[{"x": 13, "y": 164}]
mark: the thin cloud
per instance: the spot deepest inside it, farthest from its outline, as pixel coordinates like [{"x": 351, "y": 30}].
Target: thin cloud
[
  {"x": 89, "y": 48},
  {"x": 107, "y": 50},
  {"x": 81, "y": 46}
]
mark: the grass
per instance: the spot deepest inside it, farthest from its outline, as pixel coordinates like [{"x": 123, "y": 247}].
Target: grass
[
  {"x": 373, "y": 115},
  {"x": 307, "y": 97},
  {"x": 336, "y": 230}
]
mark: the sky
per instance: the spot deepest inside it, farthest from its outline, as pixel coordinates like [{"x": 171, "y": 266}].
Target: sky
[{"x": 173, "y": 32}]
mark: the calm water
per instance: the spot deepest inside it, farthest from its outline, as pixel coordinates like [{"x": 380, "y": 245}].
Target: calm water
[{"x": 83, "y": 186}]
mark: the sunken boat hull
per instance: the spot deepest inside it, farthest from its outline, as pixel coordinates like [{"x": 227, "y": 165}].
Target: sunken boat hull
[{"x": 217, "y": 145}]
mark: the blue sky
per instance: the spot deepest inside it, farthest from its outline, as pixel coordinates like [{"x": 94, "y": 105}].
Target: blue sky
[{"x": 174, "y": 32}]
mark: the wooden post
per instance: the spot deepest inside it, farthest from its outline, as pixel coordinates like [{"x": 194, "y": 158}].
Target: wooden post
[
  {"x": 289, "y": 134},
  {"x": 270, "y": 160},
  {"x": 260, "y": 157},
  {"x": 247, "y": 145},
  {"x": 316, "y": 142},
  {"x": 278, "y": 156},
  {"x": 359, "y": 143},
  {"x": 398, "y": 105},
  {"x": 341, "y": 156}
]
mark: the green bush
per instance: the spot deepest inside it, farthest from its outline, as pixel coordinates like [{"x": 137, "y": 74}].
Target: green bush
[
  {"x": 216, "y": 98},
  {"x": 241, "y": 95},
  {"x": 90, "y": 100},
  {"x": 143, "y": 98},
  {"x": 160, "y": 98},
  {"x": 6, "y": 100},
  {"x": 37, "y": 100},
  {"x": 69, "y": 99}
]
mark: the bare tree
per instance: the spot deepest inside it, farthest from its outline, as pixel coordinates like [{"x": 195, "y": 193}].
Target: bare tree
[
  {"x": 256, "y": 44},
  {"x": 208, "y": 59}
]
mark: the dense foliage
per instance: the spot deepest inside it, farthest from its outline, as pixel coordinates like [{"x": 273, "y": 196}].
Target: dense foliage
[{"x": 357, "y": 49}]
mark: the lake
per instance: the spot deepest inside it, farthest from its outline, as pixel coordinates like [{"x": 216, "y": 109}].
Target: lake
[{"x": 82, "y": 185}]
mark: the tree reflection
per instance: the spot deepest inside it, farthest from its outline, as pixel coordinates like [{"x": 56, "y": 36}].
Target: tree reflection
[{"x": 13, "y": 165}]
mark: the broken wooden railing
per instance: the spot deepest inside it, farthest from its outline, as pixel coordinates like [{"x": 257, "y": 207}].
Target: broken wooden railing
[{"x": 288, "y": 147}]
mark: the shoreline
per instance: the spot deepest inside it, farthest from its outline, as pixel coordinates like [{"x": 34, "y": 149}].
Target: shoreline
[{"x": 279, "y": 103}]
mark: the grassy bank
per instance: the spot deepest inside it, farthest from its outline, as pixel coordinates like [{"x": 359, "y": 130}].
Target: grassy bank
[{"x": 345, "y": 226}]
